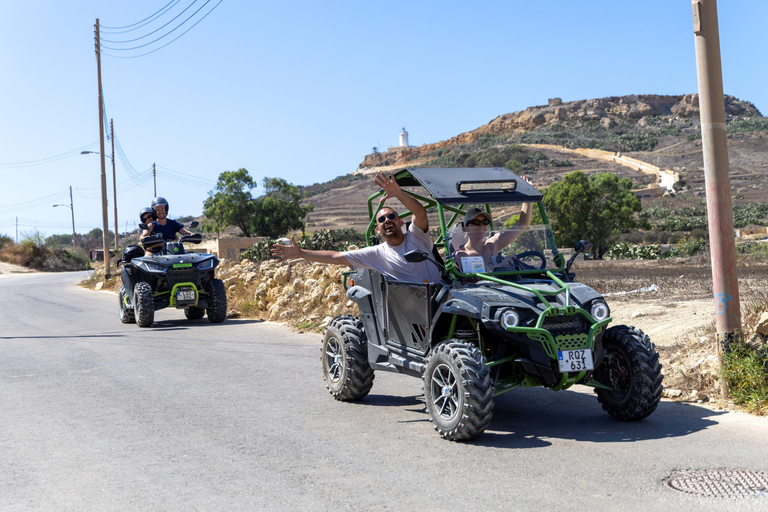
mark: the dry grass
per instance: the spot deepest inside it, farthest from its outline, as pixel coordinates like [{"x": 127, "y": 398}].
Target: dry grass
[{"x": 42, "y": 258}]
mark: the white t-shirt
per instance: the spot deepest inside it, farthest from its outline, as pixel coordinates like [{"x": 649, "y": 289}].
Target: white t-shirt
[{"x": 391, "y": 260}]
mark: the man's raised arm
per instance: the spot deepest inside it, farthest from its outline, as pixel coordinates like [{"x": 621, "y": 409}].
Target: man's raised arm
[{"x": 390, "y": 186}]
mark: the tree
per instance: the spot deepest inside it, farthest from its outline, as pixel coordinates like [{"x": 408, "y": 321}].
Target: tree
[
  {"x": 232, "y": 204},
  {"x": 594, "y": 208},
  {"x": 278, "y": 211}
]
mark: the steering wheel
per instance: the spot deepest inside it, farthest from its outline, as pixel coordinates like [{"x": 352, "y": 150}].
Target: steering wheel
[{"x": 516, "y": 260}]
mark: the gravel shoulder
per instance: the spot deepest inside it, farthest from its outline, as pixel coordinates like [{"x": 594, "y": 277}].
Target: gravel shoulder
[{"x": 7, "y": 269}]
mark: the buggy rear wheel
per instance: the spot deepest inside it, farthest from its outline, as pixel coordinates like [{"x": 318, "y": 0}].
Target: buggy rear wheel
[
  {"x": 126, "y": 313},
  {"x": 144, "y": 304},
  {"x": 458, "y": 390},
  {"x": 631, "y": 367},
  {"x": 344, "y": 357}
]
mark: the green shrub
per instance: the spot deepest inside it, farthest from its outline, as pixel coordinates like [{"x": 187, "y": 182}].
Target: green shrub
[
  {"x": 686, "y": 248},
  {"x": 322, "y": 240},
  {"x": 747, "y": 125},
  {"x": 626, "y": 250},
  {"x": 745, "y": 369}
]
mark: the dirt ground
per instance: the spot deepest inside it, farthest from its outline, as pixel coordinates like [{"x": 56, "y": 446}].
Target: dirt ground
[{"x": 7, "y": 269}]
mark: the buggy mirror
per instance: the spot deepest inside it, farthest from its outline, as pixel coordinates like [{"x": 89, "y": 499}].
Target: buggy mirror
[
  {"x": 416, "y": 256},
  {"x": 193, "y": 224},
  {"x": 583, "y": 246},
  {"x": 143, "y": 225}
]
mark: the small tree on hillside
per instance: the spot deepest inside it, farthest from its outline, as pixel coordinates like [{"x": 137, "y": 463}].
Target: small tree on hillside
[
  {"x": 594, "y": 208},
  {"x": 278, "y": 211},
  {"x": 232, "y": 204}
]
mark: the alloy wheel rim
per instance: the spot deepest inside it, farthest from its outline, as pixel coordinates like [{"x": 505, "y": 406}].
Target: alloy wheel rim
[
  {"x": 444, "y": 387},
  {"x": 334, "y": 359}
]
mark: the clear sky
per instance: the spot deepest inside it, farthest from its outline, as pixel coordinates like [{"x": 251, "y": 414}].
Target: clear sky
[{"x": 304, "y": 89}]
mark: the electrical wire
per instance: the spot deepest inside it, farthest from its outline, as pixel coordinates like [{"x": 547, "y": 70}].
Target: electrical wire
[
  {"x": 166, "y": 44},
  {"x": 34, "y": 203},
  {"x": 142, "y": 21},
  {"x": 49, "y": 159},
  {"x": 156, "y": 30},
  {"x": 164, "y": 35}
]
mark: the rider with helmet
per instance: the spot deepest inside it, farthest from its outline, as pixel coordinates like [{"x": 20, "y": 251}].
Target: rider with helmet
[{"x": 162, "y": 224}]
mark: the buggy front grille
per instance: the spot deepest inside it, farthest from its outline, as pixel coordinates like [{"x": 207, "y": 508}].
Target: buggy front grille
[{"x": 569, "y": 332}]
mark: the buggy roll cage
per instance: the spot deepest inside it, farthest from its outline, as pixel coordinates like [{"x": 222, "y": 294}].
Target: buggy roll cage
[{"x": 450, "y": 190}]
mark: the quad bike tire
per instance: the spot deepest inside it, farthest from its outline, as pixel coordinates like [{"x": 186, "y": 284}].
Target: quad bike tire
[
  {"x": 217, "y": 301},
  {"x": 344, "y": 357},
  {"x": 144, "y": 304},
  {"x": 458, "y": 390},
  {"x": 193, "y": 313},
  {"x": 126, "y": 313},
  {"x": 631, "y": 366}
]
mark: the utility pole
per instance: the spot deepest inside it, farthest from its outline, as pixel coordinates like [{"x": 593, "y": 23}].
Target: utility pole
[
  {"x": 72, "y": 207},
  {"x": 714, "y": 145},
  {"x": 114, "y": 180},
  {"x": 105, "y": 220},
  {"x": 154, "y": 178}
]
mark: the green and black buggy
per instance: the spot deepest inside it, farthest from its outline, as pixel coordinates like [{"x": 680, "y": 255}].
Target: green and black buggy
[{"x": 475, "y": 335}]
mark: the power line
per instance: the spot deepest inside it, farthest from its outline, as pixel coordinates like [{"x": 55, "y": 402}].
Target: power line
[
  {"x": 148, "y": 20},
  {"x": 156, "y": 30},
  {"x": 175, "y": 39},
  {"x": 49, "y": 159}
]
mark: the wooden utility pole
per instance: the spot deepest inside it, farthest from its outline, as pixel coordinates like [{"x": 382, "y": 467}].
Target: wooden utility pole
[
  {"x": 105, "y": 219},
  {"x": 154, "y": 179},
  {"x": 722, "y": 242},
  {"x": 114, "y": 181},
  {"x": 72, "y": 207}
]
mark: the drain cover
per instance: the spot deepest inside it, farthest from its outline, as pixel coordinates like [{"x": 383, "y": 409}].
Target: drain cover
[{"x": 721, "y": 483}]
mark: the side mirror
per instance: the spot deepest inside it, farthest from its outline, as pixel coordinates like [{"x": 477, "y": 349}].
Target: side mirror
[
  {"x": 583, "y": 246},
  {"x": 142, "y": 225},
  {"x": 193, "y": 224},
  {"x": 416, "y": 256}
]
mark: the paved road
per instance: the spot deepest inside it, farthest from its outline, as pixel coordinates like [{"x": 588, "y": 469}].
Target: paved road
[{"x": 96, "y": 415}]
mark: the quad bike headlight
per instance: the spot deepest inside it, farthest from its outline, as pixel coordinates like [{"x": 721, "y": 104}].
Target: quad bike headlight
[
  {"x": 152, "y": 267},
  {"x": 509, "y": 318},
  {"x": 599, "y": 310},
  {"x": 205, "y": 265}
]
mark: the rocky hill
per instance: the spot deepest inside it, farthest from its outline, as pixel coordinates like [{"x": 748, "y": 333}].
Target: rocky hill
[{"x": 663, "y": 131}]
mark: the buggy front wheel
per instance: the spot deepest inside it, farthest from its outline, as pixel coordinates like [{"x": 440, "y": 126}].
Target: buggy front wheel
[
  {"x": 344, "y": 357},
  {"x": 458, "y": 390}
]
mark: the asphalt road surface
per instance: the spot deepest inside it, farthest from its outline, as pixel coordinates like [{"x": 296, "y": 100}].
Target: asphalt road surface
[{"x": 188, "y": 415}]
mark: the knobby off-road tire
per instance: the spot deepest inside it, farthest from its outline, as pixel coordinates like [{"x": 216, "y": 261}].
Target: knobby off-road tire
[
  {"x": 217, "y": 301},
  {"x": 458, "y": 390},
  {"x": 344, "y": 357},
  {"x": 144, "y": 304},
  {"x": 632, "y": 367},
  {"x": 193, "y": 313},
  {"x": 126, "y": 314}
]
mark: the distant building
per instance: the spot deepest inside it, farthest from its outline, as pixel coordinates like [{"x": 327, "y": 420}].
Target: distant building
[{"x": 403, "y": 142}]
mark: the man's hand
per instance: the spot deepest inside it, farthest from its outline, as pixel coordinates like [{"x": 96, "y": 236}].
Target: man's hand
[
  {"x": 389, "y": 185},
  {"x": 284, "y": 252}
]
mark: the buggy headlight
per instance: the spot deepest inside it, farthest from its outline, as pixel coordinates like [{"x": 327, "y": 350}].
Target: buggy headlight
[
  {"x": 509, "y": 318},
  {"x": 205, "y": 265},
  {"x": 599, "y": 310}
]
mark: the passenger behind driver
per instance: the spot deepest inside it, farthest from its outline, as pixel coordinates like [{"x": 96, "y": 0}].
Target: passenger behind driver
[{"x": 166, "y": 227}]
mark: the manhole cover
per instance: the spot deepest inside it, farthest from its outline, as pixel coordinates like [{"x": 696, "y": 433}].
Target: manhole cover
[{"x": 721, "y": 483}]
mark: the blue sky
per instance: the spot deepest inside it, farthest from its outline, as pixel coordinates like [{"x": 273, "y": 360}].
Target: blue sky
[{"x": 304, "y": 89}]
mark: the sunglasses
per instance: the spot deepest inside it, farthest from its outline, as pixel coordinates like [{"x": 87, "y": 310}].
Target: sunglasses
[
  {"x": 390, "y": 216},
  {"x": 478, "y": 222},
  {"x": 146, "y": 218}
]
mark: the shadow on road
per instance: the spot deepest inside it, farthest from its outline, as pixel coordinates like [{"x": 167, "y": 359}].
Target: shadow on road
[
  {"x": 60, "y": 336},
  {"x": 536, "y": 414},
  {"x": 200, "y": 323}
]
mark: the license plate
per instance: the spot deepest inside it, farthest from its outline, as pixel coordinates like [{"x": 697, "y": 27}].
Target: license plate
[
  {"x": 185, "y": 295},
  {"x": 575, "y": 360}
]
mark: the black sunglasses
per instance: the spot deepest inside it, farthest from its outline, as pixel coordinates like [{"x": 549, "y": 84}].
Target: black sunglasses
[
  {"x": 390, "y": 216},
  {"x": 477, "y": 222},
  {"x": 146, "y": 218}
]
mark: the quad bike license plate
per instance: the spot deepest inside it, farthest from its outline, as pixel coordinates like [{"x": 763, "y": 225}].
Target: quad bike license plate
[
  {"x": 185, "y": 295},
  {"x": 575, "y": 360}
]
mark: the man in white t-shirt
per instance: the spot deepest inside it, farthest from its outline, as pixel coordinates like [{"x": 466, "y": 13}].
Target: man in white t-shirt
[{"x": 389, "y": 257}]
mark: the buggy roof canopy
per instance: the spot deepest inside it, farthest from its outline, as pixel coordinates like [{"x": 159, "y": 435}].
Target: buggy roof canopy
[{"x": 470, "y": 185}]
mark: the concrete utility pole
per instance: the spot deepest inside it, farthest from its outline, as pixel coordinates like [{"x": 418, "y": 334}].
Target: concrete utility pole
[
  {"x": 114, "y": 181},
  {"x": 105, "y": 220},
  {"x": 72, "y": 207},
  {"x": 715, "y": 150}
]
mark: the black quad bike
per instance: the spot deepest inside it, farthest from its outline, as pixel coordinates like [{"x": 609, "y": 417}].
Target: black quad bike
[
  {"x": 486, "y": 328},
  {"x": 170, "y": 277}
]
